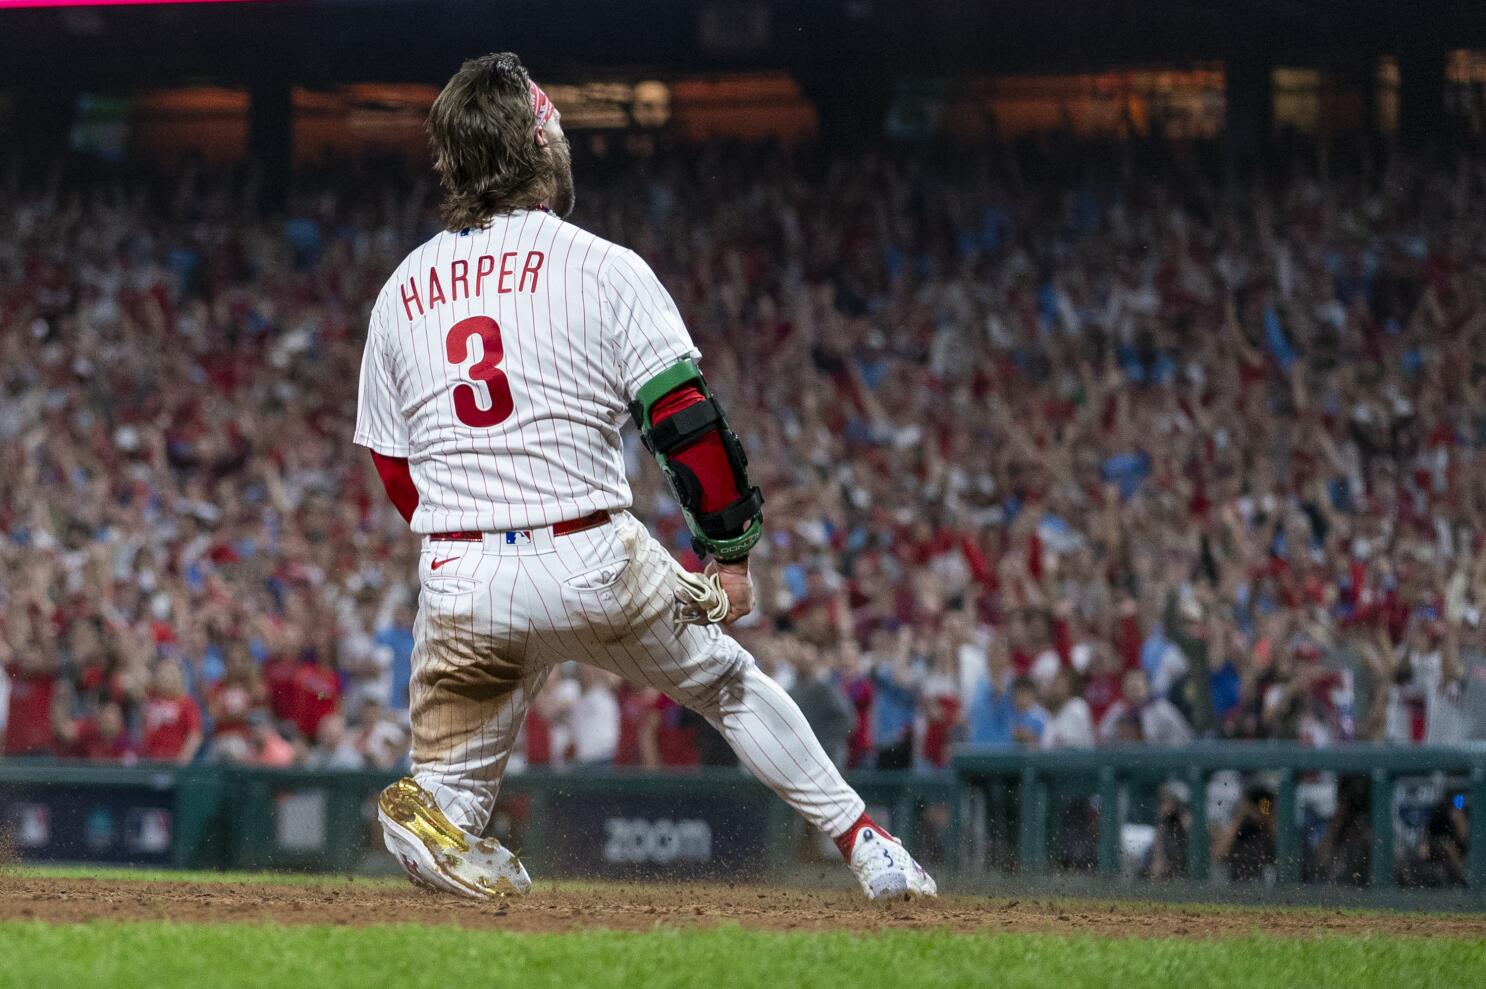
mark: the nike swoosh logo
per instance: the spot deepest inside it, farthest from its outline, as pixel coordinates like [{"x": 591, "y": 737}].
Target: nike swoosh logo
[{"x": 438, "y": 563}]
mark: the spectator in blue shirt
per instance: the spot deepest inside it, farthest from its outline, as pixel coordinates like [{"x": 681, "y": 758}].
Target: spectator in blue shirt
[
  {"x": 398, "y": 636},
  {"x": 894, "y": 704},
  {"x": 1029, "y": 718},
  {"x": 991, "y": 712}
]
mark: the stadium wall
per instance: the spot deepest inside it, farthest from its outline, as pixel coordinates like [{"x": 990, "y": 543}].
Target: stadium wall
[{"x": 1003, "y": 820}]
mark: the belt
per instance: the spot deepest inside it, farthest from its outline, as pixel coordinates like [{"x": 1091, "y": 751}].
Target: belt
[{"x": 590, "y": 521}]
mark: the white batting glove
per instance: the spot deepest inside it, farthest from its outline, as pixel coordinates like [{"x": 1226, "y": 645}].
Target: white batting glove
[{"x": 700, "y": 599}]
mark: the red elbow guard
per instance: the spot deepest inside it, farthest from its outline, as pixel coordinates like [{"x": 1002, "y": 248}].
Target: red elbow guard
[{"x": 706, "y": 458}]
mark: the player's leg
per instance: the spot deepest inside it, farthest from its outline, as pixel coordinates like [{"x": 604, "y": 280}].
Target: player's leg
[
  {"x": 631, "y": 631},
  {"x": 467, "y": 731},
  {"x": 773, "y": 740},
  {"x": 768, "y": 731},
  {"x": 468, "y": 697}
]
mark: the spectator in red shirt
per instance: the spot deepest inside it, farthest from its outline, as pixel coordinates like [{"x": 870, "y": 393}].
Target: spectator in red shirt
[
  {"x": 278, "y": 675},
  {"x": 859, "y": 747},
  {"x": 1104, "y": 685},
  {"x": 940, "y": 704},
  {"x": 89, "y": 661},
  {"x": 633, "y": 706},
  {"x": 102, "y": 737},
  {"x": 538, "y": 738},
  {"x": 942, "y": 715},
  {"x": 172, "y": 719},
  {"x": 240, "y": 693},
  {"x": 30, "y": 722},
  {"x": 317, "y": 692},
  {"x": 664, "y": 741}
]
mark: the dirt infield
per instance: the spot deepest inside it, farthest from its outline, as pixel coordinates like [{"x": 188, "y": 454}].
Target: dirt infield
[{"x": 645, "y": 907}]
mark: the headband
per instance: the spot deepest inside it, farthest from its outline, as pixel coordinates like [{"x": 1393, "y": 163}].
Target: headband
[{"x": 541, "y": 106}]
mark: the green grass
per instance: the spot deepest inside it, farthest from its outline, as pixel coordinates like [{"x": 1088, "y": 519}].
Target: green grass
[
  {"x": 224, "y": 956},
  {"x": 163, "y": 956},
  {"x": 126, "y": 874}
]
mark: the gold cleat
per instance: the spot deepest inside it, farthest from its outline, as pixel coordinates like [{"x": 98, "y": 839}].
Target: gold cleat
[{"x": 438, "y": 854}]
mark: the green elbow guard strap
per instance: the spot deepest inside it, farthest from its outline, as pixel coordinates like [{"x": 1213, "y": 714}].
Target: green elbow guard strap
[{"x": 727, "y": 534}]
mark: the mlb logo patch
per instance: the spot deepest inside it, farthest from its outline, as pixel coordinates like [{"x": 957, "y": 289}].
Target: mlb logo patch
[
  {"x": 519, "y": 538},
  {"x": 34, "y": 825}
]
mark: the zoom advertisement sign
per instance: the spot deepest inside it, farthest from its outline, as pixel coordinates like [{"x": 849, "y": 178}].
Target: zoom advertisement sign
[{"x": 632, "y": 836}]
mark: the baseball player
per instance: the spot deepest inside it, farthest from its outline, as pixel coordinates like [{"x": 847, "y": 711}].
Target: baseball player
[{"x": 502, "y": 358}]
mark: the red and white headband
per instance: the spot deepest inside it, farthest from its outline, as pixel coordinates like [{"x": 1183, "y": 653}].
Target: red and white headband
[{"x": 541, "y": 106}]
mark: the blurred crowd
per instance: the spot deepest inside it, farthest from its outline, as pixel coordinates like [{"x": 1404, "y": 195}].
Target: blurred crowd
[{"x": 1062, "y": 448}]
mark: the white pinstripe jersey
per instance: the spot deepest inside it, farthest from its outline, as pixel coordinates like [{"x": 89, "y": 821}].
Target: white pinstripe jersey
[{"x": 500, "y": 362}]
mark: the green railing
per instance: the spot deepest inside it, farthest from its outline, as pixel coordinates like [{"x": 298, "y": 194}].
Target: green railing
[
  {"x": 721, "y": 823},
  {"x": 1030, "y": 781}
]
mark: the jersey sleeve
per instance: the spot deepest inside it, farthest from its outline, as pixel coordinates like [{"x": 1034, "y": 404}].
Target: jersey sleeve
[
  {"x": 644, "y": 323},
  {"x": 379, "y": 421}
]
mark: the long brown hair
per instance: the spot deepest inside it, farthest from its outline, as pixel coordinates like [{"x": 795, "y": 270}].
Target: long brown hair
[{"x": 482, "y": 130}]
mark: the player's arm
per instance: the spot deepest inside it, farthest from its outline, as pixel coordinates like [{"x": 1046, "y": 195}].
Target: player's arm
[
  {"x": 685, "y": 428},
  {"x": 380, "y": 425},
  {"x": 397, "y": 481}
]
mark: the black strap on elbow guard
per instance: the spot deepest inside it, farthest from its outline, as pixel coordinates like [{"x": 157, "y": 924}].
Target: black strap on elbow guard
[{"x": 727, "y": 534}]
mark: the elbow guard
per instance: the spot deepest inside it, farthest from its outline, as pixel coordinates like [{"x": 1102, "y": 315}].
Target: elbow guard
[{"x": 730, "y": 532}]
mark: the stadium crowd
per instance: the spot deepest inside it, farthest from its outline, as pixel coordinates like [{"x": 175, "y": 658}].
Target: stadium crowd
[{"x": 1055, "y": 456}]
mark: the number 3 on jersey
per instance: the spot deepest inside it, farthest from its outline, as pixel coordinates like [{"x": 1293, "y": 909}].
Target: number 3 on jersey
[{"x": 486, "y": 369}]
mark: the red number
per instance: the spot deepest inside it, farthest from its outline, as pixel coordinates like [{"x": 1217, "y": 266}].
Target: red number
[{"x": 486, "y": 369}]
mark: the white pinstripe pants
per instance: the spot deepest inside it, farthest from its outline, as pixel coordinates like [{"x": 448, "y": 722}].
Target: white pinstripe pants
[{"x": 499, "y": 614}]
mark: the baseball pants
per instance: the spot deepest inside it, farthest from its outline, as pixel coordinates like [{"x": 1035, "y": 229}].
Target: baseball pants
[{"x": 496, "y": 615}]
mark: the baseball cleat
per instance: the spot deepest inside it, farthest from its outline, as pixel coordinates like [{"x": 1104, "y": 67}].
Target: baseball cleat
[
  {"x": 437, "y": 854},
  {"x": 885, "y": 869}
]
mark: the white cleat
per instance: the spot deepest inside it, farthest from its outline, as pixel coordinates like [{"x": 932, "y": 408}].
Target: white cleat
[
  {"x": 885, "y": 869},
  {"x": 437, "y": 854}
]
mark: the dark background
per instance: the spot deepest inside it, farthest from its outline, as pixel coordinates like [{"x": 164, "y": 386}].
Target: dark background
[{"x": 847, "y": 55}]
